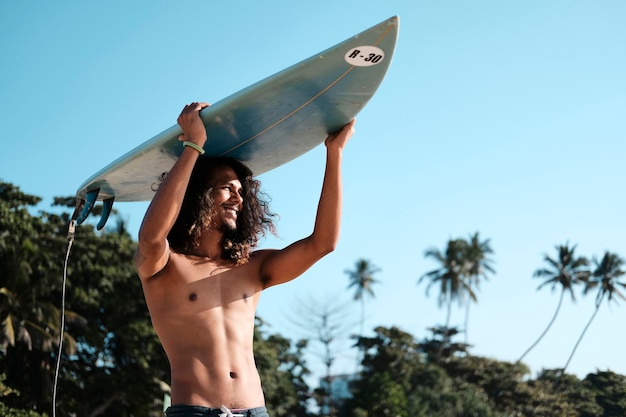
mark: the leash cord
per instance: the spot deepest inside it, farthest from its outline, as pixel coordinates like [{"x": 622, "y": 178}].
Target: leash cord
[{"x": 70, "y": 240}]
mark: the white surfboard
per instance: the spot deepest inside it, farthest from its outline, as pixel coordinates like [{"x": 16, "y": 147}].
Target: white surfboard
[{"x": 264, "y": 125}]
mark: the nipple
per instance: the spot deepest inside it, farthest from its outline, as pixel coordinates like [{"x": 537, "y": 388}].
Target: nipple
[{"x": 193, "y": 296}]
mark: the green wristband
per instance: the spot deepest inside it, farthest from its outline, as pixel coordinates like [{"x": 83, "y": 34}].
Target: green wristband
[{"x": 194, "y": 146}]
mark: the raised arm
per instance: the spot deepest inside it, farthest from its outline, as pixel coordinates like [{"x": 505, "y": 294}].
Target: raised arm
[
  {"x": 284, "y": 265},
  {"x": 153, "y": 250}
]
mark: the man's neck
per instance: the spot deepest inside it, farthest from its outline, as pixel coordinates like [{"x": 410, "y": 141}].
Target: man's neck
[{"x": 210, "y": 245}]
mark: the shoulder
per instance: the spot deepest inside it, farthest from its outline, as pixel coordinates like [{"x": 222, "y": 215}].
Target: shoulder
[
  {"x": 172, "y": 263},
  {"x": 150, "y": 263},
  {"x": 262, "y": 253},
  {"x": 258, "y": 259}
]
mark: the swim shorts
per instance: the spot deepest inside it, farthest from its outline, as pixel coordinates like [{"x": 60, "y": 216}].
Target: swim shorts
[{"x": 200, "y": 411}]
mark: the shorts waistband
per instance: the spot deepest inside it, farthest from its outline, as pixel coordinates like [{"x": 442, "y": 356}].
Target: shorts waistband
[{"x": 200, "y": 411}]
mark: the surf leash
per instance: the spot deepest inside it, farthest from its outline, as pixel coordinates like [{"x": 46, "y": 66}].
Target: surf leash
[{"x": 70, "y": 240}]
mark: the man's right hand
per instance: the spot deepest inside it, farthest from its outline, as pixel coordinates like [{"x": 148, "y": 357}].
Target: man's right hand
[
  {"x": 191, "y": 123},
  {"x": 340, "y": 138}
]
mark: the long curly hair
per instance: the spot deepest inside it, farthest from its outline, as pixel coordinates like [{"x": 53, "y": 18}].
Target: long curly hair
[{"x": 197, "y": 212}]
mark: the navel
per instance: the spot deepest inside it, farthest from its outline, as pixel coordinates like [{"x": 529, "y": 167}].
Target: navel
[
  {"x": 245, "y": 297},
  {"x": 193, "y": 296},
  {"x": 233, "y": 375}
]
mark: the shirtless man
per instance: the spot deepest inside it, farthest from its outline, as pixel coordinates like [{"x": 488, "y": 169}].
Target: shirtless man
[{"x": 201, "y": 279}]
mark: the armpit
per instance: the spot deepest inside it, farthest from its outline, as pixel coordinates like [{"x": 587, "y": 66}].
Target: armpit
[{"x": 160, "y": 272}]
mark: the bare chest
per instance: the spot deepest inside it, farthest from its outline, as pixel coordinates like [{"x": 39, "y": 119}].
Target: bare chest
[{"x": 190, "y": 287}]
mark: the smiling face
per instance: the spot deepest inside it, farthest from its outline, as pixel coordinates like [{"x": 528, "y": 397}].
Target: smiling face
[
  {"x": 226, "y": 194},
  {"x": 222, "y": 196}
]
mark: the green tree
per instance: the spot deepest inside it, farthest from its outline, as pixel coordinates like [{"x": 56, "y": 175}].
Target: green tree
[
  {"x": 565, "y": 272},
  {"x": 381, "y": 396},
  {"x": 397, "y": 380},
  {"x": 29, "y": 299},
  {"x": 7, "y": 411},
  {"x": 362, "y": 279},
  {"x": 390, "y": 350},
  {"x": 390, "y": 364},
  {"x": 282, "y": 371},
  {"x": 450, "y": 276},
  {"x": 501, "y": 382},
  {"x": 559, "y": 394},
  {"x": 478, "y": 266},
  {"x": 605, "y": 278},
  {"x": 609, "y": 391},
  {"x": 122, "y": 367},
  {"x": 112, "y": 363},
  {"x": 440, "y": 346}
]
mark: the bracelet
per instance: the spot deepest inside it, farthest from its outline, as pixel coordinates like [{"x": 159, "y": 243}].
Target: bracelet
[{"x": 194, "y": 146}]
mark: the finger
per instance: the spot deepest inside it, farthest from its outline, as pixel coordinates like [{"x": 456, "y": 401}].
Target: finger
[
  {"x": 197, "y": 105},
  {"x": 194, "y": 107},
  {"x": 184, "y": 110}
]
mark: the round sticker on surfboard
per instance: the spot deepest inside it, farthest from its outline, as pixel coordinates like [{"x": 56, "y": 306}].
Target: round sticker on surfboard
[{"x": 364, "y": 56}]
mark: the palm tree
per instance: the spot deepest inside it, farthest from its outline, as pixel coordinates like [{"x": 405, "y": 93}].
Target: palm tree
[
  {"x": 605, "y": 277},
  {"x": 477, "y": 266},
  {"x": 362, "y": 279},
  {"x": 450, "y": 276},
  {"x": 565, "y": 271}
]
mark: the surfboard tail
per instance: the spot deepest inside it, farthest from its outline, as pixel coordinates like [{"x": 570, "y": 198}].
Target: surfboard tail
[
  {"x": 85, "y": 205},
  {"x": 89, "y": 201}
]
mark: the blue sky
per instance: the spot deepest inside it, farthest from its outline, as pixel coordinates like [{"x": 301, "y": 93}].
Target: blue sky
[{"x": 505, "y": 118}]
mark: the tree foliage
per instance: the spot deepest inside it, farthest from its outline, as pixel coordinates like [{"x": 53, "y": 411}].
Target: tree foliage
[
  {"x": 282, "y": 371},
  {"x": 402, "y": 379},
  {"x": 606, "y": 279},
  {"x": 112, "y": 362},
  {"x": 362, "y": 279},
  {"x": 565, "y": 272},
  {"x": 461, "y": 266}
]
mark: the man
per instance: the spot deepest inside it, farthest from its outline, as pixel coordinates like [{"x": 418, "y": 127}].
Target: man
[{"x": 201, "y": 279}]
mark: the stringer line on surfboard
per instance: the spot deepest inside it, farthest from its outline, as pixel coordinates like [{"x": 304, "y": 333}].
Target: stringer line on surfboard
[{"x": 322, "y": 91}]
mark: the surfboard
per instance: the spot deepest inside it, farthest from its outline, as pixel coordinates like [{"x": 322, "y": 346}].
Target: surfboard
[{"x": 264, "y": 125}]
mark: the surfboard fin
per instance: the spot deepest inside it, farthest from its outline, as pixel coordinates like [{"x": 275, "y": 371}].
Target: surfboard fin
[
  {"x": 80, "y": 203},
  {"x": 89, "y": 202},
  {"x": 107, "y": 205}
]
